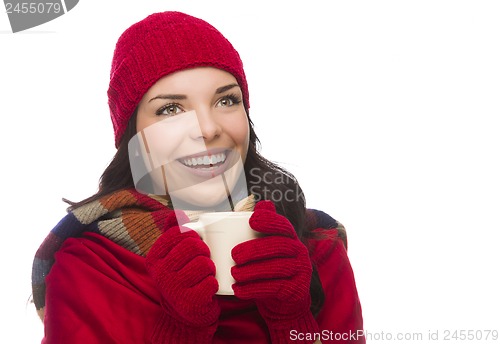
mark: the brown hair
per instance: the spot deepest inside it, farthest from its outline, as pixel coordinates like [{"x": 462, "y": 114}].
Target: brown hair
[{"x": 118, "y": 176}]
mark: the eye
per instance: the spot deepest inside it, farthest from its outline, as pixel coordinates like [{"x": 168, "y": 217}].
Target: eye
[
  {"x": 169, "y": 110},
  {"x": 229, "y": 100}
]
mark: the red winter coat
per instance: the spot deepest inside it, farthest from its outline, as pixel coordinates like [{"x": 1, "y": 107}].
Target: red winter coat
[{"x": 99, "y": 292}]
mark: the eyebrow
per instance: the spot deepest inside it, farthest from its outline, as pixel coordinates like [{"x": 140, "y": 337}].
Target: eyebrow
[
  {"x": 169, "y": 96},
  {"x": 225, "y": 88},
  {"x": 182, "y": 96}
]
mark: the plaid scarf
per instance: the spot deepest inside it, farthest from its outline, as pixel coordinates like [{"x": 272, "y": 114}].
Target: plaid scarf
[{"x": 133, "y": 221}]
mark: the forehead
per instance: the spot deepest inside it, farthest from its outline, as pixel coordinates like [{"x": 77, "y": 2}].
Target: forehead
[{"x": 192, "y": 80}]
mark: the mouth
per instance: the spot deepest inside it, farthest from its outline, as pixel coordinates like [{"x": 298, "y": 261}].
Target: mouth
[
  {"x": 208, "y": 164},
  {"x": 205, "y": 161}
]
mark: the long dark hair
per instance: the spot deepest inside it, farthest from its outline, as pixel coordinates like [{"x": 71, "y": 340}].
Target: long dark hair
[{"x": 265, "y": 180}]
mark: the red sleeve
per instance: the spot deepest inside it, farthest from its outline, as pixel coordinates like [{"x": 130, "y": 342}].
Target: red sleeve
[
  {"x": 340, "y": 319},
  {"x": 98, "y": 292}
]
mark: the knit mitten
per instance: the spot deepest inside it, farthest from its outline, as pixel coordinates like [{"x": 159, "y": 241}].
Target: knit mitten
[
  {"x": 275, "y": 271},
  {"x": 179, "y": 262}
]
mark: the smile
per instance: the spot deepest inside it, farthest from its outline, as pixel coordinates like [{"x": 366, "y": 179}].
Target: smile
[{"x": 204, "y": 161}]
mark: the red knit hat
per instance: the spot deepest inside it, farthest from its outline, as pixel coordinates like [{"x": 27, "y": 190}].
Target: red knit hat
[{"x": 159, "y": 45}]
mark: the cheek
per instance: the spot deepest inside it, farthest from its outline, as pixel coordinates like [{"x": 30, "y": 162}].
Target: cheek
[
  {"x": 240, "y": 132},
  {"x": 162, "y": 141},
  {"x": 164, "y": 147}
]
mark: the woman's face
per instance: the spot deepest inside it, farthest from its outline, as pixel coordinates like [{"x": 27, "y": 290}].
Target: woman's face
[{"x": 195, "y": 132}]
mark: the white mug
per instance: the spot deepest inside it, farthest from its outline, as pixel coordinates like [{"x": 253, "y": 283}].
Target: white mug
[{"x": 222, "y": 231}]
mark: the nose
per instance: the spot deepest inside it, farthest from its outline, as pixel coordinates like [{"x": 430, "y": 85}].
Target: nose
[{"x": 209, "y": 128}]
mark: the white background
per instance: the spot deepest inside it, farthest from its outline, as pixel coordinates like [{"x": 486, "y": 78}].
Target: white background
[{"x": 386, "y": 111}]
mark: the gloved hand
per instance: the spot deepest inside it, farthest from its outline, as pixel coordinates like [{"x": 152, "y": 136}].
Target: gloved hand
[
  {"x": 275, "y": 271},
  {"x": 179, "y": 262}
]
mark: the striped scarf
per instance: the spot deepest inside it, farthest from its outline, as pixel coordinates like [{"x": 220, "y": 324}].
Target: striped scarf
[
  {"x": 134, "y": 221},
  {"x": 128, "y": 218}
]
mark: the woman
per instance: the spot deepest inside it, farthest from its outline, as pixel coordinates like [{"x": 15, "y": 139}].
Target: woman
[{"x": 122, "y": 268}]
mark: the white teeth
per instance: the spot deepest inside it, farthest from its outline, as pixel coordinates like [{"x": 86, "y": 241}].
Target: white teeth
[{"x": 205, "y": 160}]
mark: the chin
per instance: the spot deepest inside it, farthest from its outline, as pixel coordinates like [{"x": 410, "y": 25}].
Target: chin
[{"x": 200, "y": 196}]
